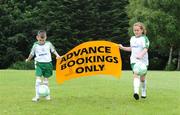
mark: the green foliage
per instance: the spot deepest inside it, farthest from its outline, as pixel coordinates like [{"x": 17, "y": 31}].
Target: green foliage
[
  {"x": 156, "y": 63},
  {"x": 162, "y": 20},
  {"x": 77, "y": 20},
  {"x": 67, "y": 22},
  {"x": 14, "y": 31},
  {"x": 22, "y": 65},
  {"x": 172, "y": 66}
]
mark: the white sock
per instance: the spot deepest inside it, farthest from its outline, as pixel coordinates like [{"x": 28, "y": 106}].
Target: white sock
[
  {"x": 37, "y": 84},
  {"x": 45, "y": 82},
  {"x": 136, "y": 85},
  {"x": 143, "y": 88}
]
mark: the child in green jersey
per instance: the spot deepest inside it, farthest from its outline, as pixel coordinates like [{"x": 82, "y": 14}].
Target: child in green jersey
[
  {"x": 139, "y": 45},
  {"x": 42, "y": 50}
]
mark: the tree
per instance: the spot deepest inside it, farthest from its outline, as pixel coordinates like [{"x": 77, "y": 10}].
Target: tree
[
  {"x": 67, "y": 22},
  {"x": 162, "y": 20},
  {"x": 15, "y": 28},
  {"x": 72, "y": 22}
]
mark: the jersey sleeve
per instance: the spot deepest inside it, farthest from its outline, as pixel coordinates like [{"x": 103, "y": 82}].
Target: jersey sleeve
[
  {"x": 145, "y": 42},
  {"x": 130, "y": 41},
  {"x": 52, "y": 48},
  {"x": 33, "y": 50}
]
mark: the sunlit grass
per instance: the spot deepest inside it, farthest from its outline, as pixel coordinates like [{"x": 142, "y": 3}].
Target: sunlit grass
[{"x": 102, "y": 95}]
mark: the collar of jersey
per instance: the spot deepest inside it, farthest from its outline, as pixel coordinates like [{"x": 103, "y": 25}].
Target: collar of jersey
[{"x": 41, "y": 44}]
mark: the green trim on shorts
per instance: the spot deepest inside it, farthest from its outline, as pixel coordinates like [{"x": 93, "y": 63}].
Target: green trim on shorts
[
  {"x": 44, "y": 69},
  {"x": 132, "y": 65}
]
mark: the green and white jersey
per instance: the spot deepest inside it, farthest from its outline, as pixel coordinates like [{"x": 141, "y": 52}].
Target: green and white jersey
[
  {"x": 42, "y": 53},
  {"x": 137, "y": 44}
]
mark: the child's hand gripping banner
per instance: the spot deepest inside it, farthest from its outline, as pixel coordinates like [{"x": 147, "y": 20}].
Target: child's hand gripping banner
[{"x": 89, "y": 58}]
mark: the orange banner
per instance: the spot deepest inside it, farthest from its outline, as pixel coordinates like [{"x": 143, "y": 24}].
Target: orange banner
[{"x": 89, "y": 58}]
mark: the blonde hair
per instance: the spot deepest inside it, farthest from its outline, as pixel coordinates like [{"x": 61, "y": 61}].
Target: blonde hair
[{"x": 142, "y": 26}]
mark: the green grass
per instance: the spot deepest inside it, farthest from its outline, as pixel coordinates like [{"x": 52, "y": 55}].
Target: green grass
[{"x": 90, "y": 95}]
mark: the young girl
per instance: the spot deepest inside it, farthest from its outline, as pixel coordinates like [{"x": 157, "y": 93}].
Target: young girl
[
  {"x": 42, "y": 50},
  {"x": 139, "y": 45}
]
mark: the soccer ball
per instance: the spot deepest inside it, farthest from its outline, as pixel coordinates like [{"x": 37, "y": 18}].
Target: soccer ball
[
  {"x": 43, "y": 90},
  {"x": 140, "y": 68}
]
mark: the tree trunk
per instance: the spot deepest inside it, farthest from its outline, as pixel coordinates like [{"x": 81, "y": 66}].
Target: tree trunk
[
  {"x": 178, "y": 64},
  {"x": 170, "y": 55}
]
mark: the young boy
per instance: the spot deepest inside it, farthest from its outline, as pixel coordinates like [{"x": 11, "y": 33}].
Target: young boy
[
  {"x": 139, "y": 45},
  {"x": 42, "y": 50}
]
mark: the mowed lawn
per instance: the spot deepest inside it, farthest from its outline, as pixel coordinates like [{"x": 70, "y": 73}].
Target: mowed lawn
[{"x": 98, "y": 95}]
